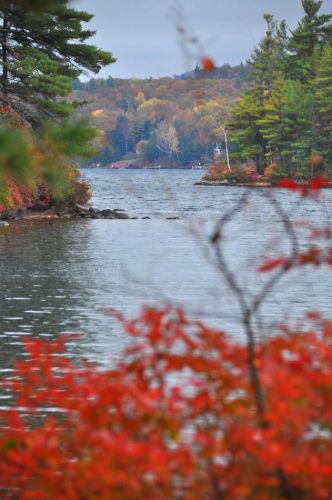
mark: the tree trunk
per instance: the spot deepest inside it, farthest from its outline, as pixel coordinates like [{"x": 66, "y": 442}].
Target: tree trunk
[
  {"x": 4, "y": 47},
  {"x": 258, "y": 165},
  {"x": 226, "y": 147}
]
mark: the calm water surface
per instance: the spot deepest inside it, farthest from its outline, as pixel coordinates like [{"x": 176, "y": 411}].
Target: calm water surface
[{"x": 55, "y": 275}]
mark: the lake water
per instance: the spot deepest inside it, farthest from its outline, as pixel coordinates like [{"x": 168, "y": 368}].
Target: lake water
[{"x": 56, "y": 275}]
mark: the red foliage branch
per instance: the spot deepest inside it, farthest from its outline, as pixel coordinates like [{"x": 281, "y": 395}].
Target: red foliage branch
[
  {"x": 310, "y": 189},
  {"x": 176, "y": 419},
  {"x": 312, "y": 256},
  {"x": 19, "y": 195}
]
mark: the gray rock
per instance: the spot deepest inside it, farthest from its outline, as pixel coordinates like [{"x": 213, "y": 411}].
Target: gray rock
[
  {"x": 8, "y": 215},
  {"x": 120, "y": 215},
  {"x": 85, "y": 212},
  {"x": 212, "y": 183},
  {"x": 81, "y": 208},
  {"x": 105, "y": 214}
]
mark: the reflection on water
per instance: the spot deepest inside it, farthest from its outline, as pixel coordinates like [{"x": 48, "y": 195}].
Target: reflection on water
[{"x": 55, "y": 275}]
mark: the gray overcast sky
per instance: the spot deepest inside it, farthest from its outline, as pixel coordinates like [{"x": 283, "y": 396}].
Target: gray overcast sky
[{"x": 142, "y": 36}]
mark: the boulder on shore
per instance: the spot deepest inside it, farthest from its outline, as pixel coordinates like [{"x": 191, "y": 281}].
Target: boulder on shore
[{"x": 94, "y": 213}]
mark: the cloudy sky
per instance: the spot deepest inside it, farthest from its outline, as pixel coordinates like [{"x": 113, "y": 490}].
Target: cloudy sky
[{"x": 142, "y": 33}]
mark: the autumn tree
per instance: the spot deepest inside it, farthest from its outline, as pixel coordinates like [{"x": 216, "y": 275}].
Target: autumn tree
[
  {"x": 155, "y": 110},
  {"x": 122, "y": 134},
  {"x": 166, "y": 138},
  {"x": 211, "y": 117},
  {"x": 192, "y": 146}
]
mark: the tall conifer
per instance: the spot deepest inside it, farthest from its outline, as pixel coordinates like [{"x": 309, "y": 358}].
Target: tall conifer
[
  {"x": 41, "y": 52},
  {"x": 285, "y": 115},
  {"x": 322, "y": 86},
  {"x": 313, "y": 32},
  {"x": 249, "y": 112}
]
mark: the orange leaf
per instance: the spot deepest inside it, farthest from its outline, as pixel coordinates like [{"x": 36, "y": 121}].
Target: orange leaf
[{"x": 207, "y": 64}]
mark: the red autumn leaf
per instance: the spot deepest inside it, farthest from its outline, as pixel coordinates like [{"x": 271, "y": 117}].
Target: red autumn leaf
[
  {"x": 310, "y": 189},
  {"x": 313, "y": 315},
  {"x": 317, "y": 183},
  {"x": 312, "y": 256},
  {"x": 270, "y": 264},
  {"x": 288, "y": 184},
  {"x": 207, "y": 64},
  {"x": 325, "y": 232}
]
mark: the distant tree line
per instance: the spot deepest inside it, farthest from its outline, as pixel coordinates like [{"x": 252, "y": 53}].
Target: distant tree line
[
  {"x": 239, "y": 73},
  {"x": 173, "y": 120}
]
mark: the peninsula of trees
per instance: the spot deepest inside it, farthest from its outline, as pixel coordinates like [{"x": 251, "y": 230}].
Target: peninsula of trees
[{"x": 283, "y": 120}]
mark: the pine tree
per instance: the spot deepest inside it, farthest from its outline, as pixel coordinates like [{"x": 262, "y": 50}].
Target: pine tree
[
  {"x": 305, "y": 46},
  {"x": 300, "y": 132},
  {"x": 268, "y": 56},
  {"x": 249, "y": 112},
  {"x": 41, "y": 52},
  {"x": 285, "y": 116},
  {"x": 272, "y": 125},
  {"x": 247, "y": 137},
  {"x": 322, "y": 86}
]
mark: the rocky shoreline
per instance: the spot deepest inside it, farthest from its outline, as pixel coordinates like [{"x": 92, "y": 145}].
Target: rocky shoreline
[
  {"x": 234, "y": 184},
  {"x": 74, "y": 211},
  {"x": 258, "y": 184}
]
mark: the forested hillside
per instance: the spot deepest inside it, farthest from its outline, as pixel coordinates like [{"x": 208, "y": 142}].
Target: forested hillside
[{"x": 168, "y": 120}]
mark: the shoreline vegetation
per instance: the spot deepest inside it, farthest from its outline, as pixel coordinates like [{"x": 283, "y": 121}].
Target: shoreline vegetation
[
  {"x": 41, "y": 142},
  {"x": 247, "y": 175},
  {"x": 255, "y": 184}
]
